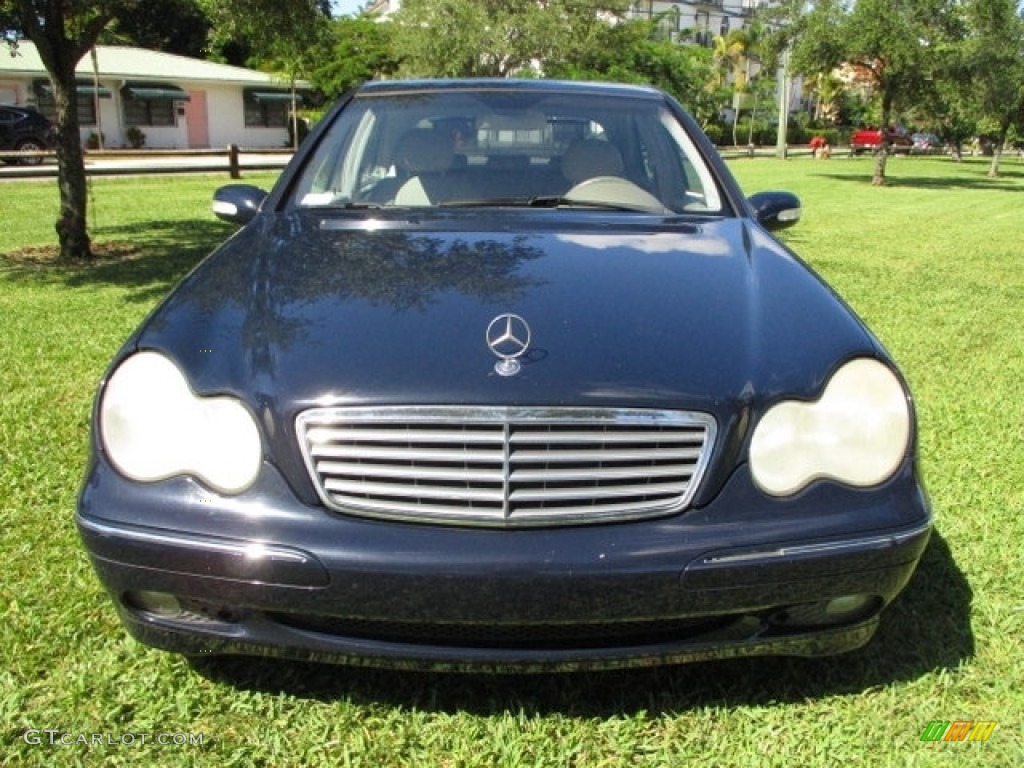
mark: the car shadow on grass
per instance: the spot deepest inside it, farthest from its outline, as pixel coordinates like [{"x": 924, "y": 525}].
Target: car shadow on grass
[
  {"x": 146, "y": 260},
  {"x": 926, "y": 629}
]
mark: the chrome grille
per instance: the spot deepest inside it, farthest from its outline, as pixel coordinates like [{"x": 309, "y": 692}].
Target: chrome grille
[{"x": 505, "y": 466}]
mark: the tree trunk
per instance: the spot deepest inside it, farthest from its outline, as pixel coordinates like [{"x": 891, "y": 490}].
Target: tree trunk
[
  {"x": 993, "y": 168},
  {"x": 997, "y": 150},
  {"x": 49, "y": 25},
  {"x": 878, "y": 180},
  {"x": 72, "y": 229}
]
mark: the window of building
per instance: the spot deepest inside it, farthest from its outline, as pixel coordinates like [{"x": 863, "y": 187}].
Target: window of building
[
  {"x": 86, "y": 94},
  {"x": 642, "y": 9},
  {"x": 151, "y": 103},
  {"x": 703, "y": 29},
  {"x": 265, "y": 108}
]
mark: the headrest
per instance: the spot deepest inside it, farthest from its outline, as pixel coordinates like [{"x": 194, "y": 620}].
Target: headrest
[
  {"x": 592, "y": 157},
  {"x": 424, "y": 151}
]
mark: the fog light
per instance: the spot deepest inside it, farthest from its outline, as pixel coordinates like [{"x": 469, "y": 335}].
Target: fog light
[
  {"x": 847, "y": 609},
  {"x": 159, "y": 603},
  {"x": 844, "y": 607}
]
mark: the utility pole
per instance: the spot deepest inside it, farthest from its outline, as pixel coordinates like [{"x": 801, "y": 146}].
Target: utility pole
[
  {"x": 780, "y": 141},
  {"x": 96, "y": 97}
]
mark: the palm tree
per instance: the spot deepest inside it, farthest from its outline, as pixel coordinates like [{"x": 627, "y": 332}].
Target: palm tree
[
  {"x": 729, "y": 53},
  {"x": 734, "y": 55},
  {"x": 829, "y": 89}
]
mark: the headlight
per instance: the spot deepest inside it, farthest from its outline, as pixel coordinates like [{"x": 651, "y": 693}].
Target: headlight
[
  {"x": 856, "y": 433},
  {"x": 154, "y": 427}
]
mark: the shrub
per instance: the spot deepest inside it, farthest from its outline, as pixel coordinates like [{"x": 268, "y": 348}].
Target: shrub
[
  {"x": 715, "y": 132},
  {"x": 135, "y": 137}
]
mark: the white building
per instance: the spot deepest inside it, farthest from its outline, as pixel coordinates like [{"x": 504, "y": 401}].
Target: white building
[
  {"x": 697, "y": 21},
  {"x": 175, "y": 102}
]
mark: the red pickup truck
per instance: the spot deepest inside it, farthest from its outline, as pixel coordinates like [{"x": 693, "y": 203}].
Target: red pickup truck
[{"x": 869, "y": 139}]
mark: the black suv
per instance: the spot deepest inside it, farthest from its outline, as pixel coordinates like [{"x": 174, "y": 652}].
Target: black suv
[{"x": 24, "y": 129}]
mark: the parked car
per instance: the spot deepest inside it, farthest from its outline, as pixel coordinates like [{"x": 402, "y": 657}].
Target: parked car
[
  {"x": 870, "y": 139},
  {"x": 926, "y": 143},
  {"x": 24, "y": 130},
  {"x": 503, "y": 375}
]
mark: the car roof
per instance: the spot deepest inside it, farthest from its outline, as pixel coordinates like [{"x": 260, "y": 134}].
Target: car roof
[
  {"x": 601, "y": 89},
  {"x": 21, "y": 110}
]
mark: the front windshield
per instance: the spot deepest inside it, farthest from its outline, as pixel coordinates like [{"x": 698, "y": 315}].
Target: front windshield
[{"x": 508, "y": 147}]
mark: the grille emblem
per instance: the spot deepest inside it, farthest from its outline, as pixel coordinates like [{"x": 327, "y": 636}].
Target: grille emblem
[{"x": 508, "y": 337}]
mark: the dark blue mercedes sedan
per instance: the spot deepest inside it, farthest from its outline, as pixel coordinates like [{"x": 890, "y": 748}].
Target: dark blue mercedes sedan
[{"x": 503, "y": 375}]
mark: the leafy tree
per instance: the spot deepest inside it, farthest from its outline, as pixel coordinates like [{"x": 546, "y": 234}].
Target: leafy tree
[
  {"x": 453, "y": 38},
  {"x": 265, "y": 34},
  {"x": 495, "y": 38},
  {"x": 565, "y": 29},
  {"x": 288, "y": 38},
  {"x": 173, "y": 26},
  {"x": 63, "y": 32},
  {"x": 634, "y": 52},
  {"x": 359, "y": 48},
  {"x": 295, "y": 56},
  {"x": 729, "y": 53},
  {"x": 893, "y": 41},
  {"x": 995, "y": 54},
  {"x": 8, "y": 21},
  {"x": 573, "y": 39},
  {"x": 686, "y": 72},
  {"x": 829, "y": 90},
  {"x": 948, "y": 107},
  {"x": 733, "y": 55}
]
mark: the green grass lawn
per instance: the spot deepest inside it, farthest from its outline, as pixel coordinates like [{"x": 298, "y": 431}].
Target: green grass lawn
[{"x": 933, "y": 262}]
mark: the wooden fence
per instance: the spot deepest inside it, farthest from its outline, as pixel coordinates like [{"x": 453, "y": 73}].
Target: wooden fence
[{"x": 232, "y": 160}]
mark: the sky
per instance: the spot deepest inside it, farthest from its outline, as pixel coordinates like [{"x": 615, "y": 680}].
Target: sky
[{"x": 346, "y": 6}]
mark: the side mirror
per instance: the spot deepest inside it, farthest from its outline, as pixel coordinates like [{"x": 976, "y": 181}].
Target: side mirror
[
  {"x": 775, "y": 210},
  {"x": 238, "y": 203}
]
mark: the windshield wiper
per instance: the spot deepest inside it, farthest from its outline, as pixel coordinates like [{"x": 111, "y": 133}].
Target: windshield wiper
[
  {"x": 539, "y": 201},
  {"x": 358, "y": 206},
  {"x": 554, "y": 201},
  {"x": 486, "y": 202}
]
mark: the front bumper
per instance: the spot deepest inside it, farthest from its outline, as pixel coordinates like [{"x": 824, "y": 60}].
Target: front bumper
[{"x": 264, "y": 574}]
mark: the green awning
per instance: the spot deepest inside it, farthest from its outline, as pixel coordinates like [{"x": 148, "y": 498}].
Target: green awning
[
  {"x": 88, "y": 89},
  {"x": 82, "y": 88},
  {"x": 155, "y": 92},
  {"x": 274, "y": 96}
]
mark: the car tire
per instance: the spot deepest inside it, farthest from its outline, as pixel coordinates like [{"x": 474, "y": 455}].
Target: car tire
[{"x": 30, "y": 145}]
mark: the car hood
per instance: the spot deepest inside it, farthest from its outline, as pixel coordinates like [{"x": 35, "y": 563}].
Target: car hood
[{"x": 299, "y": 310}]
